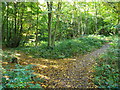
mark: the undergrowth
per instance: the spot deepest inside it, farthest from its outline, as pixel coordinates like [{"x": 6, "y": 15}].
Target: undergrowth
[
  {"x": 107, "y": 69},
  {"x": 67, "y": 48},
  {"x": 20, "y": 77}
]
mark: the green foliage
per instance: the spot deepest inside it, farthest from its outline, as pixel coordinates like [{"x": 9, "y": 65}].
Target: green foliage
[
  {"x": 107, "y": 71},
  {"x": 66, "y": 48},
  {"x": 6, "y": 56},
  {"x": 26, "y": 22},
  {"x": 20, "y": 77}
]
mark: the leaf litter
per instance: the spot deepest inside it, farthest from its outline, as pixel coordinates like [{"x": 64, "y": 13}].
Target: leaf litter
[{"x": 65, "y": 73}]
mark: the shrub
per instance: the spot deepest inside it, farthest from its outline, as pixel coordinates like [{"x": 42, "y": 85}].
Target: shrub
[
  {"x": 65, "y": 49},
  {"x": 107, "y": 71},
  {"x": 20, "y": 77}
]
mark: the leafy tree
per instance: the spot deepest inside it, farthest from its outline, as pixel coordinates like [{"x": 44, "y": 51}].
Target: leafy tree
[{"x": 29, "y": 23}]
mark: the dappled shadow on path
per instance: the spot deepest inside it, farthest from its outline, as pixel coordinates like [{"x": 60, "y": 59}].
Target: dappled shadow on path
[
  {"x": 80, "y": 74},
  {"x": 65, "y": 73}
]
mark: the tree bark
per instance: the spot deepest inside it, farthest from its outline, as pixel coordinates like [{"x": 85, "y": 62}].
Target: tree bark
[
  {"x": 96, "y": 18},
  {"x": 49, "y": 4},
  {"x": 36, "y": 41},
  {"x": 57, "y": 23},
  {"x": 15, "y": 7},
  {"x": 7, "y": 32}
]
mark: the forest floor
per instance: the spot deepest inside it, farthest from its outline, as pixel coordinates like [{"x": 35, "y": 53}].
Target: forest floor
[{"x": 65, "y": 73}]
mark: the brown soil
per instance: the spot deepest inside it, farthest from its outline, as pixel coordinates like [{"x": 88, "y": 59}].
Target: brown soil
[
  {"x": 65, "y": 73},
  {"x": 80, "y": 74}
]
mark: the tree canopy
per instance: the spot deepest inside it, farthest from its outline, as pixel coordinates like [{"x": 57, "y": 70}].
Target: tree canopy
[{"x": 28, "y": 22}]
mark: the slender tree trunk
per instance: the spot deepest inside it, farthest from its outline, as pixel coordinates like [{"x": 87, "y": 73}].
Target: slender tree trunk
[
  {"x": 79, "y": 24},
  {"x": 57, "y": 23},
  {"x": 96, "y": 27},
  {"x": 15, "y": 7},
  {"x": 7, "y": 32},
  {"x": 36, "y": 41},
  {"x": 7, "y": 22},
  {"x": 118, "y": 23},
  {"x": 82, "y": 26},
  {"x": 1, "y": 32},
  {"x": 3, "y": 21},
  {"x": 18, "y": 19},
  {"x": 49, "y": 4},
  {"x": 86, "y": 20},
  {"x": 73, "y": 20},
  {"x": 21, "y": 20},
  {"x": 78, "y": 31}
]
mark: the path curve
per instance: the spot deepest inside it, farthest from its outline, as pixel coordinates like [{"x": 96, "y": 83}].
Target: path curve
[
  {"x": 78, "y": 76},
  {"x": 66, "y": 73}
]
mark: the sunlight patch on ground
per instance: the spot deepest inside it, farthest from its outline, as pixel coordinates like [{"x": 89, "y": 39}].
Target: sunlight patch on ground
[
  {"x": 55, "y": 66},
  {"x": 24, "y": 63},
  {"x": 17, "y": 54},
  {"x": 39, "y": 65},
  {"x": 51, "y": 61},
  {"x": 69, "y": 59},
  {"x": 42, "y": 76},
  {"x": 4, "y": 62},
  {"x": 30, "y": 56},
  {"x": 45, "y": 60}
]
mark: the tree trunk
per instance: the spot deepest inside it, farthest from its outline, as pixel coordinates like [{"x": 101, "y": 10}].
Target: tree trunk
[
  {"x": 15, "y": 7},
  {"x": 0, "y": 29},
  {"x": 78, "y": 31},
  {"x": 96, "y": 18},
  {"x": 21, "y": 20},
  {"x": 82, "y": 26},
  {"x": 57, "y": 23},
  {"x": 36, "y": 41},
  {"x": 86, "y": 21},
  {"x": 7, "y": 32},
  {"x": 118, "y": 18},
  {"x": 49, "y": 4}
]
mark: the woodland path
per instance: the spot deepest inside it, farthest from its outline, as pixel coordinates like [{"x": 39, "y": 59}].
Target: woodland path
[
  {"x": 79, "y": 76},
  {"x": 66, "y": 73}
]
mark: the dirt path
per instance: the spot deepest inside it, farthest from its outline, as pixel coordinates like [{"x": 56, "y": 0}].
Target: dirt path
[
  {"x": 80, "y": 74},
  {"x": 65, "y": 73}
]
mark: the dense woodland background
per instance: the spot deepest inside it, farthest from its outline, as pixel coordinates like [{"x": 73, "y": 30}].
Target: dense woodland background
[{"x": 32, "y": 22}]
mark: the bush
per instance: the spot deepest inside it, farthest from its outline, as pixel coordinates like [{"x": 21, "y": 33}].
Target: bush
[
  {"x": 65, "y": 49},
  {"x": 107, "y": 71},
  {"x": 20, "y": 77}
]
